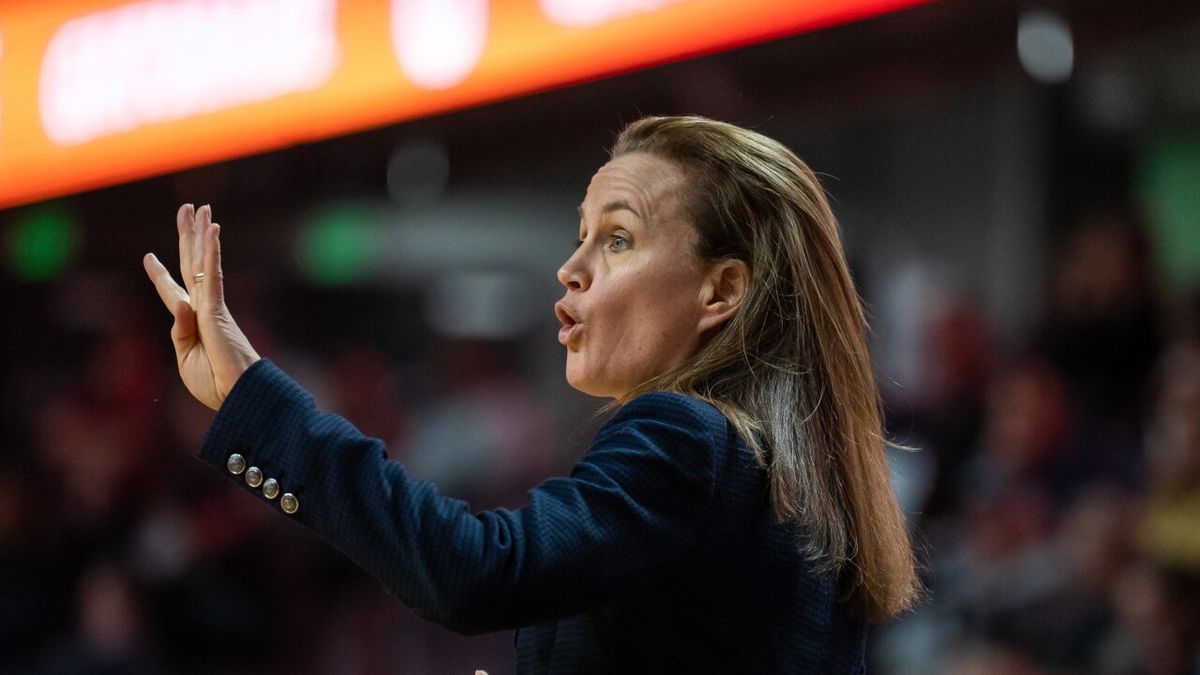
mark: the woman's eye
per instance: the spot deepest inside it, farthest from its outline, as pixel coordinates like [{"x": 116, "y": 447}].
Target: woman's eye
[{"x": 618, "y": 243}]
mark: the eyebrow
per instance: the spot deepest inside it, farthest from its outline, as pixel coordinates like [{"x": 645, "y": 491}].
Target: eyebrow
[{"x": 617, "y": 205}]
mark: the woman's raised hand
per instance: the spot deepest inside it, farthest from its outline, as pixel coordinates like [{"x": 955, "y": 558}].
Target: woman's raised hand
[{"x": 212, "y": 352}]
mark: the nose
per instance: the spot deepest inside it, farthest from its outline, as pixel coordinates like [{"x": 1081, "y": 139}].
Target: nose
[{"x": 573, "y": 273}]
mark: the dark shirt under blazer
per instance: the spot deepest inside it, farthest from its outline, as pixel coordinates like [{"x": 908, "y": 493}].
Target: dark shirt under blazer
[{"x": 658, "y": 553}]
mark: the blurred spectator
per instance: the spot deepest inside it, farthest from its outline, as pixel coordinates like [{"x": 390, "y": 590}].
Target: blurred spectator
[
  {"x": 485, "y": 437},
  {"x": 949, "y": 416},
  {"x": 110, "y": 636},
  {"x": 1156, "y": 630},
  {"x": 1025, "y": 442},
  {"x": 1101, "y": 332},
  {"x": 1170, "y": 531},
  {"x": 365, "y": 386}
]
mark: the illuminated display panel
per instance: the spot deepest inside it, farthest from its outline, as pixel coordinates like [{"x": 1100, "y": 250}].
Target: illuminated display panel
[{"x": 95, "y": 93}]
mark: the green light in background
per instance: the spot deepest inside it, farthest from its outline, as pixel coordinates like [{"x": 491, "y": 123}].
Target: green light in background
[
  {"x": 42, "y": 242},
  {"x": 1169, "y": 182},
  {"x": 336, "y": 246}
]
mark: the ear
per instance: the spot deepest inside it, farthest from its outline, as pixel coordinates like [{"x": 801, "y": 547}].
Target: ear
[{"x": 725, "y": 288}]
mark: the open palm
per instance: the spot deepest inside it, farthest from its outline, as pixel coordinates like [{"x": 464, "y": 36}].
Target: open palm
[{"x": 210, "y": 350}]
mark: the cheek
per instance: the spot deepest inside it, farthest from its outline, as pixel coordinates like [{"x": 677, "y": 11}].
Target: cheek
[
  {"x": 661, "y": 327},
  {"x": 640, "y": 326},
  {"x": 664, "y": 333},
  {"x": 612, "y": 347},
  {"x": 668, "y": 306}
]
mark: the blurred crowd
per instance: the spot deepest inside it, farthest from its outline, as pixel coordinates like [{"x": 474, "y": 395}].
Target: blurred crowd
[
  {"x": 122, "y": 553},
  {"x": 1054, "y": 489},
  {"x": 1060, "y": 525}
]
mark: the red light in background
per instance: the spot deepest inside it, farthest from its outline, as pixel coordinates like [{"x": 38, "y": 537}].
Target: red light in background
[{"x": 98, "y": 92}]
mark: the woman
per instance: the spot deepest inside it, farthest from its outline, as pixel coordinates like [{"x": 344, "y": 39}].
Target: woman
[{"x": 735, "y": 514}]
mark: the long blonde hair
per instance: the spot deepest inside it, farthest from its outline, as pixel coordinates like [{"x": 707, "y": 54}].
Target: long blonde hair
[{"x": 791, "y": 368}]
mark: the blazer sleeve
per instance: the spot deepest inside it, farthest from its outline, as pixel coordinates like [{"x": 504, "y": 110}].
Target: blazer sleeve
[{"x": 634, "y": 506}]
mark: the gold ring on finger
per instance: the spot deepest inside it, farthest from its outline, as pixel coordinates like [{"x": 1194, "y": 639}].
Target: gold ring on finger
[{"x": 198, "y": 277}]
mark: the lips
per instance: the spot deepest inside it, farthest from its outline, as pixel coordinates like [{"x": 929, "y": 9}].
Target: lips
[{"x": 569, "y": 325}]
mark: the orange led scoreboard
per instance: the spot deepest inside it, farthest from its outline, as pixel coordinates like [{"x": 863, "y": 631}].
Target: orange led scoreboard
[{"x": 97, "y": 92}]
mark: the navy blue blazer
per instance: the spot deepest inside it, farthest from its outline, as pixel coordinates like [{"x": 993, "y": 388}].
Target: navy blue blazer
[{"x": 659, "y": 552}]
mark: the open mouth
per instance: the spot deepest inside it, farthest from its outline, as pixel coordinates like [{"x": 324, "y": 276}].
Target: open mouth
[{"x": 569, "y": 324}]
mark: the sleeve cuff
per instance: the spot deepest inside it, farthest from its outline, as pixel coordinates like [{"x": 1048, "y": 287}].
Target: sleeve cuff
[{"x": 263, "y": 402}]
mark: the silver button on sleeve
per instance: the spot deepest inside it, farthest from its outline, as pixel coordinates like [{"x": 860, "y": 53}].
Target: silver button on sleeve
[
  {"x": 270, "y": 488},
  {"x": 254, "y": 476},
  {"x": 289, "y": 503},
  {"x": 236, "y": 464}
]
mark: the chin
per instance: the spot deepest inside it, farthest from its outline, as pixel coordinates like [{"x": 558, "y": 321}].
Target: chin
[
  {"x": 582, "y": 383},
  {"x": 585, "y": 387}
]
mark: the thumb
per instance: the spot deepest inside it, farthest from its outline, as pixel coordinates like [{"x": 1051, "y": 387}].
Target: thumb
[{"x": 183, "y": 332}]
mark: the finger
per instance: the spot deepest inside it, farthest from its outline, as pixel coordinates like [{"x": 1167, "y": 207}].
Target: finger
[
  {"x": 168, "y": 291},
  {"x": 184, "y": 219},
  {"x": 201, "y": 225},
  {"x": 183, "y": 332},
  {"x": 212, "y": 291}
]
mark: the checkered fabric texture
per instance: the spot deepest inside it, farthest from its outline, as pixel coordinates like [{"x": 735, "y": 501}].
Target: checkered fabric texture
[{"x": 659, "y": 552}]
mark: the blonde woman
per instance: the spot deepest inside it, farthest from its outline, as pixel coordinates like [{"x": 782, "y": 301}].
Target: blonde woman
[{"x": 734, "y": 515}]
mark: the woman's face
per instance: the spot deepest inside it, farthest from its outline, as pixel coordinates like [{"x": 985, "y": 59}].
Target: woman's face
[{"x": 633, "y": 304}]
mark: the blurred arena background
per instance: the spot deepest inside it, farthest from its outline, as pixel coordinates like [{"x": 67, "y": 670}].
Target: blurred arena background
[{"x": 1019, "y": 189}]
